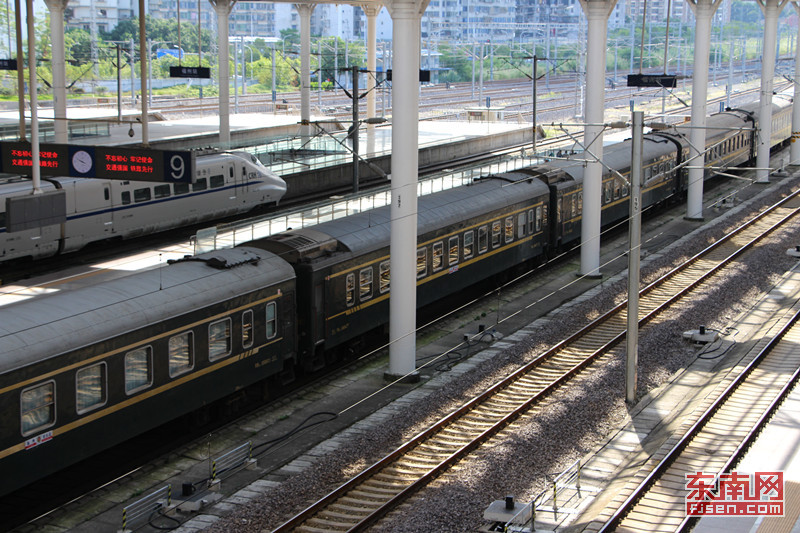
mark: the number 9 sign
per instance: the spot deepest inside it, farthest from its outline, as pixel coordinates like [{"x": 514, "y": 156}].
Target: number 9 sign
[{"x": 179, "y": 167}]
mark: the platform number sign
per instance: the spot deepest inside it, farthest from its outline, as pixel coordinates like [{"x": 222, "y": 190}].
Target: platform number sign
[
  {"x": 104, "y": 162},
  {"x": 179, "y": 167}
]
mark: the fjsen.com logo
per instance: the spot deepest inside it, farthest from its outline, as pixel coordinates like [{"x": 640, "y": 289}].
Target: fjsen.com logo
[{"x": 735, "y": 494}]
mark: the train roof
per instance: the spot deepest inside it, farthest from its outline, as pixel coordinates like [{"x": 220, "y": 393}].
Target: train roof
[
  {"x": 363, "y": 232},
  {"x": 52, "y": 324},
  {"x": 616, "y": 156}
]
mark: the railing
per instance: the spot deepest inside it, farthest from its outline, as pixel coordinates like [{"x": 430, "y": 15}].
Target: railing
[
  {"x": 139, "y": 512},
  {"x": 77, "y": 129},
  {"x": 230, "y": 462},
  {"x": 228, "y": 236},
  {"x": 565, "y": 488}
]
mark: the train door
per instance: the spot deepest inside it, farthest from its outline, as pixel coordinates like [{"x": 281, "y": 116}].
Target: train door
[
  {"x": 238, "y": 173},
  {"x": 288, "y": 321},
  {"x": 89, "y": 212},
  {"x": 244, "y": 176}
]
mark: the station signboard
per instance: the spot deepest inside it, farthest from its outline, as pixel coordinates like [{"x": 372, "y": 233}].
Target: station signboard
[
  {"x": 189, "y": 72},
  {"x": 8, "y": 64},
  {"x": 652, "y": 80},
  {"x": 104, "y": 162},
  {"x": 424, "y": 75}
]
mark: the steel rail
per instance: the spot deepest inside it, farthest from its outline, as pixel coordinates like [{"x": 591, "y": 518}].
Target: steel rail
[
  {"x": 607, "y": 335},
  {"x": 696, "y": 429}
]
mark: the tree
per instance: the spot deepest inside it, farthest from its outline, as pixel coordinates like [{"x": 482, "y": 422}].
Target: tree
[
  {"x": 747, "y": 12},
  {"x": 290, "y": 36},
  {"x": 78, "y": 46},
  {"x": 124, "y": 31}
]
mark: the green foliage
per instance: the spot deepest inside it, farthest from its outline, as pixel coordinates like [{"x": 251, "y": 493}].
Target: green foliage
[
  {"x": 162, "y": 32},
  {"x": 508, "y": 61},
  {"x": 290, "y": 36}
]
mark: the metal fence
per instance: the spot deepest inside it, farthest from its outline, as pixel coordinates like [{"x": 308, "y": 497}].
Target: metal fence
[
  {"x": 231, "y": 235},
  {"x": 230, "y": 462},
  {"x": 141, "y": 511}
]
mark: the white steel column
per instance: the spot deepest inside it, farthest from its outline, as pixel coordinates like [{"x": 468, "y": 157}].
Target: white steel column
[
  {"x": 223, "y": 9},
  {"x": 597, "y": 13},
  {"x": 144, "y": 58},
  {"x": 36, "y": 171},
  {"x": 304, "y": 10},
  {"x": 405, "y": 154},
  {"x": 58, "y": 63},
  {"x": 703, "y": 12},
  {"x": 771, "y": 10},
  {"x": 371, "y": 11},
  {"x": 794, "y": 151}
]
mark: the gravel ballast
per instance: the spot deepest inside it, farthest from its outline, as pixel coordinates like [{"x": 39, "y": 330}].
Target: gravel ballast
[{"x": 567, "y": 425}]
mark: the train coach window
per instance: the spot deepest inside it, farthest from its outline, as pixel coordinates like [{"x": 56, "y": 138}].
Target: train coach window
[
  {"x": 38, "y": 407},
  {"x": 521, "y": 225},
  {"x": 350, "y": 289},
  {"x": 161, "y": 191},
  {"x": 422, "y": 262},
  {"x": 90, "y": 388},
  {"x": 200, "y": 185},
  {"x": 483, "y": 239},
  {"x": 138, "y": 369},
  {"x": 180, "y": 188},
  {"x": 181, "y": 353},
  {"x": 365, "y": 283},
  {"x": 247, "y": 329},
  {"x": 452, "y": 246},
  {"x": 106, "y": 194},
  {"x": 495, "y": 233},
  {"x": 437, "y": 259},
  {"x": 539, "y": 218},
  {"x": 217, "y": 181},
  {"x": 509, "y": 229},
  {"x": 384, "y": 273},
  {"x": 469, "y": 239},
  {"x": 606, "y": 193},
  {"x": 126, "y": 197},
  {"x": 219, "y": 339},
  {"x": 531, "y": 227},
  {"x": 272, "y": 320},
  {"x": 141, "y": 195},
  {"x": 230, "y": 172}
]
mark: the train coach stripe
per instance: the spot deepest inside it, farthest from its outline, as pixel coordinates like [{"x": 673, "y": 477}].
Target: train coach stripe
[
  {"x": 440, "y": 238},
  {"x": 432, "y": 277},
  {"x": 139, "y": 398}
]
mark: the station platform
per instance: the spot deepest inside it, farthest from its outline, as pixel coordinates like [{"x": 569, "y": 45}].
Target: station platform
[
  {"x": 777, "y": 449},
  {"x": 608, "y": 470},
  {"x": 320, "y": 157},
  {"x": 246, "y": 129}
]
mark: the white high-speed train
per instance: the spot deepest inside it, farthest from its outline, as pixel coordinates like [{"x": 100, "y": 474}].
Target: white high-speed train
[{"x": 226, "y": 184}]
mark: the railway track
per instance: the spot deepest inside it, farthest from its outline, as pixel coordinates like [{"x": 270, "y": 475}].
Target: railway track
[
  {"x": 379, "y": 489},
  {"x": 434, "y": 101},
  {"x": 729, "y": 423}
]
